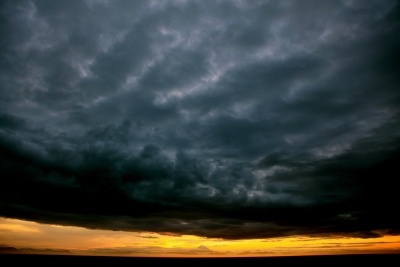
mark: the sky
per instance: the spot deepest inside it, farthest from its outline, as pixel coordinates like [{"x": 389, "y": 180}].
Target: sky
[{"x": 210, "y": 121}]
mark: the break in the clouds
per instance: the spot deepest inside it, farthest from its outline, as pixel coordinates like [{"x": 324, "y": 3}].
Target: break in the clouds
[{"x": 227, "y": 119}]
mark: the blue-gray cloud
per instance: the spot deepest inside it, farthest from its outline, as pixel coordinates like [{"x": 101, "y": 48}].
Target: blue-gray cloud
[{"x": 227, "y": 119}]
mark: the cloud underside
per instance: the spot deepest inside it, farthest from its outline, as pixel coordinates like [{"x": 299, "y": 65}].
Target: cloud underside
[{"x": 224, "y": 119}]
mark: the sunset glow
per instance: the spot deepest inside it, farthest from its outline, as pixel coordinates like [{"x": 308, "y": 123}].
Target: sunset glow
[{"x": 31, "y": 237}]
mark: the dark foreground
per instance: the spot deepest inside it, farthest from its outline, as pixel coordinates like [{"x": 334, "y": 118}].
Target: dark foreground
[{"x": 313, "y": 260}]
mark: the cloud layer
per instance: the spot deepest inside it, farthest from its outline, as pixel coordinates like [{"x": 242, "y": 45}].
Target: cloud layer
[{"x": 229, "y": 119}]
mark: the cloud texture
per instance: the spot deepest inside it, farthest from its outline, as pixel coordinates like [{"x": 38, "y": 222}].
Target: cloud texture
[{"x": 228, "y": 119}]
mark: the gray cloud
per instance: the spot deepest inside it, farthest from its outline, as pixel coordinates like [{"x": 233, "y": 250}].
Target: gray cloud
[{"x": 222, "y": 119}]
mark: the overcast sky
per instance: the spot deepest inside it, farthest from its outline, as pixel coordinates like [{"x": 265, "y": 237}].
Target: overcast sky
[{"x": 227, "y": 119}]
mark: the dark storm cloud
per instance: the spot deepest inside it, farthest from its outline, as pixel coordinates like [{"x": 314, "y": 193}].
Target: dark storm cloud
[{"x": 231, "y": 119}]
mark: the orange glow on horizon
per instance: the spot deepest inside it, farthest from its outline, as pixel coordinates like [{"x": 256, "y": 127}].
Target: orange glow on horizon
[{"x": 31, "y": 237}]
